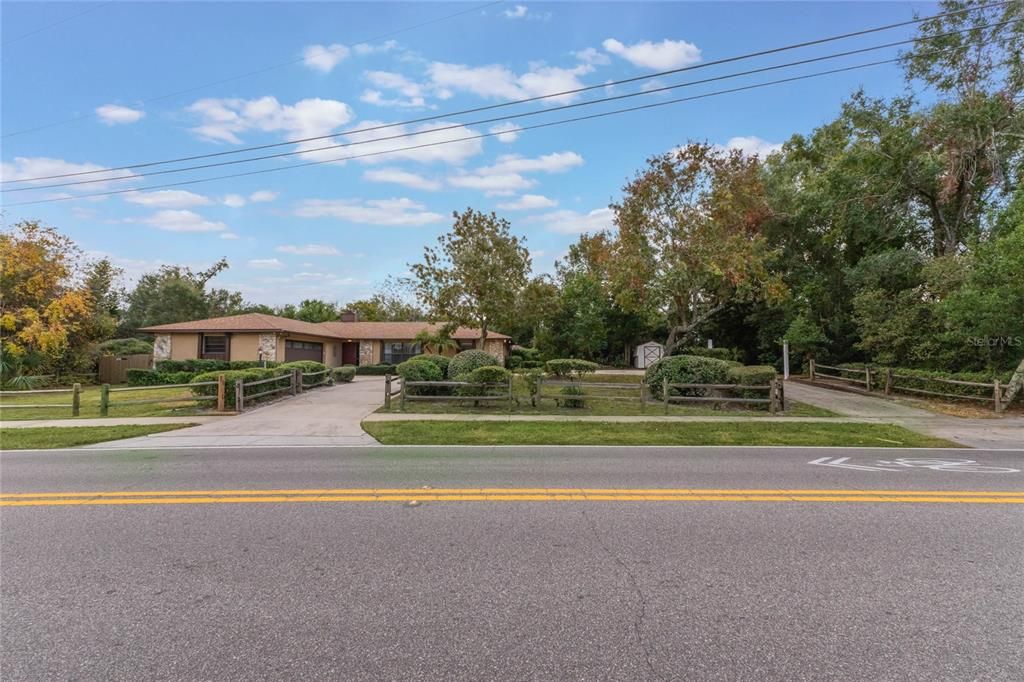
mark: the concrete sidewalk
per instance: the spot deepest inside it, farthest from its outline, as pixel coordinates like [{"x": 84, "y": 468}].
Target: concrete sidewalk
[
  {"x": 624, "y": 419},
  {"x": 106, "y": 421}
]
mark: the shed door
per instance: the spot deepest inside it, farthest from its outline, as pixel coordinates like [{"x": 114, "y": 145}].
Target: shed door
[{"x": 303, "y": 350}]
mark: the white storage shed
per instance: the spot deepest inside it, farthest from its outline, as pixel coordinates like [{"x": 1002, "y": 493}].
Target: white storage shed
[{"x": 647, "y": 354}]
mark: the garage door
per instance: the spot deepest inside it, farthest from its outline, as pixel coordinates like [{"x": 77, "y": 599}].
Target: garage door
[{"x": 303, "y": 350}]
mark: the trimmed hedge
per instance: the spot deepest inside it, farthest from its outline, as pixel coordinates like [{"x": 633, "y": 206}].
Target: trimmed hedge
[
  {"x": 465, "y": 362},
  {"x": 717, "y": 353},
  {"x": 148, "y": 377},
  {"x": 441, "y": 361},
  {"x": 572, "y": 402},
  {"x": 123, "y": 347},
  {"x": 230, "y": 377},
  {"x": 344, "y": 374},
  {"x": 195, "y": 366},
  {"x": 685, "y": 369},
  {"x": 489, "y": 375},
  {"x": 304, "y": 365},
  {"x": 420, "y": 369},
  {"x": 923, "y": 375},
  {"x": 752, "y": 375},
  {"x": 375, "y": 370},
  {"x": 569, "y": 367}
]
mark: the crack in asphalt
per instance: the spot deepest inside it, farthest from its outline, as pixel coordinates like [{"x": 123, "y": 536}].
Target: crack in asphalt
[{"x": 638, "y": 621}]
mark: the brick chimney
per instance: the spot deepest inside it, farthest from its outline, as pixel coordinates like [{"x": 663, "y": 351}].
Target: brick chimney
[{"x": 349, "y": 316}]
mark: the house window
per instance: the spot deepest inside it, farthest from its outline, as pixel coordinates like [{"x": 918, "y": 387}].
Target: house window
[
  {"x": 215, "y": 345},
  {"x": 467, "y": 344},
  {"x": 395, "y": 353}
]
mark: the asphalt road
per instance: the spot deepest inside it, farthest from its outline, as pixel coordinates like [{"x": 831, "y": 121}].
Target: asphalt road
[{"x": 511, "y": 589}]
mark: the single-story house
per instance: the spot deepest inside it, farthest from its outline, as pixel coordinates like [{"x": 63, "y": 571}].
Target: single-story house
[{"x": 255, "y": 336}]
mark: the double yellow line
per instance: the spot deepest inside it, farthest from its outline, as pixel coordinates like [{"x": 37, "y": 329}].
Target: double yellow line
[{"x": 405, "y": 495}]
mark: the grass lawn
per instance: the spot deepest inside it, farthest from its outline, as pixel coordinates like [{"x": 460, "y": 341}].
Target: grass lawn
[
  {"x": 597, "y": 407},
  {"x": 649, "y": 433},
  {"x": 70, "y": 436},
  {"x": 90, "y": 404}
]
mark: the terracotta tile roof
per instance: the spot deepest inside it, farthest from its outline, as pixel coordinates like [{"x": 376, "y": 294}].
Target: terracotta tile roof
[
  {"x": 397, "y": 330},
  {"x": 258, "y": 322},
  {"x": 249, "y": 322}
]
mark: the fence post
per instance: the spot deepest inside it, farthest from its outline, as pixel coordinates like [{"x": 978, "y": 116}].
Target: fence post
[
  {"x": 387, "y": 391},
  {"x": 643, "y": 396},
  {"x": 997, "y": 394},
  {"x": 220, "y": 392},
  {"x": 782, "y": 396},
  {"x": 76, "y": 399},
  {"x": 867, "y": 378},
  {"x": 401, "y": 398},
  {"x": 773, "y": 387},
  {"x": 511, "y": 396},
  {"x": 811, "y": 365},
  {"x": 664, "y": 392},
  {"x": 104, "y": 399},
  {"x": 888, "y": 380},
  {"x": 239, "y": 395},
  {"x": 535, "y": 398},
  {"x": 296, "y": 381}
]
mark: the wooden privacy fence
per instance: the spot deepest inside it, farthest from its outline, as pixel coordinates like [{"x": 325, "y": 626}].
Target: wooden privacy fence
[
  {"x": 106, "y": 391},
  {"x": 506, "y": 386},
  {"x": 869, "y": 378},
  {"x": 775, "y": 398},
  {"x": 75, "y": 404},
  {"x": 113, "y": 369},
  {"x": 640, "y": 390}
]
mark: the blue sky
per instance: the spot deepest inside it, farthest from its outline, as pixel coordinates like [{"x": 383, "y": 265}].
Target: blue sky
[{"x": 336, "y": 230}]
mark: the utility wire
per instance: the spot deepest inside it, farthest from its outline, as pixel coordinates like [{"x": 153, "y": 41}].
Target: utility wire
[
  {"x": 562, "y": 93},
  {"x": 505, "y": 117},
  {"x": 56, "y": 23},
  {"x": 256, "y": 72},
  {"x": 537, "y": 126}
]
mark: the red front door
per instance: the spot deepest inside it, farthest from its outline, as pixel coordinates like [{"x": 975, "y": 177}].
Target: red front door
[{"x": 350, "y": 353}]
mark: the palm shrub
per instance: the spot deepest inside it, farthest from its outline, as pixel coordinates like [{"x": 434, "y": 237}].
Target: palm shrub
[
  {"x": 465, "y": 362},
  {"x": 685, "y": 369}
]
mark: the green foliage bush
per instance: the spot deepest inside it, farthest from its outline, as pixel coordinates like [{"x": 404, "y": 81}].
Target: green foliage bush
[
  {"x": 420, "y": 369},
  {"x": 572, "y": 402},
  {"x": 195, "y": 365},
  {"x": 252, "y": 364},
  {"x": 304, "y": 365},
  {"x": 570, "y": 367},
  {"x": 123, "y": 347},
  {"x": 376, "y": 370},
  {"x": 685, "y": 369},
  {"x": 486, "y": 375},
  {"x": 922, "y": 376},
  {"x": 752, "y": 375},
  {"x": 233, "y": 375},
  {"x": 513, "y": 362},
  {"x": 141, "y": 377},
  {"x": 465, "y": 362},
  {"x": 533, "y": 364},
  {"x": 344, "y": 374},
  {"x": 532, "y": 378},
  {"x": 728, "y": 354},
  {"x": 441, "y": 361}
]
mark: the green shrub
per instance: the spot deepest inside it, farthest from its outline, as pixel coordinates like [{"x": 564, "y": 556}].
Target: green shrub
[
  {"x": 572, "y": 402},
  {"x": 685, "y": 369},
  {"x": 441, "y": 361},
  {"x": 525, "y": 353},
  {"x": 717, "y": 353},
  {"x": 533, "y": 364},
  {"x": 465, "y": 362},
  {"x": 170, "y": 365},
  {"x": 141, "y": 377},
  {"x": 419, "y": 369},
  {"x": 531, "y": 378},
  {"x": 304, "y": 365},
  {"x": 921, "y": 381},
  {"x": 489, "y": 375},
  {"x": 513, "y": 362},
  {"x": 570, "y": 367},
  {"x": 233, "y": 375},
  {"x": 344, "y": 374},
  {"x": 375, "y": 370},
  {"x": 752, "y": 375},
  {"x": 123, "y": 347},
  {"x": 253, "y": 364}
]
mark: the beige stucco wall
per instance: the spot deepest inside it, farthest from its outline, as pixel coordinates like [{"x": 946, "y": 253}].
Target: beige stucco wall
[
  {"x": 245, "y": 346},
  {"x": 184, "y": 346}
]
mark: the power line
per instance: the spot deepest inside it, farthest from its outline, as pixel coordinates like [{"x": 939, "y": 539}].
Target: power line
[
  {"x": 256, "y": 72},
  {"x": 56, "y": 23},
  {"x": 489, "y": 107},
  {"x": 505, "y": 117},
  {"x": 537, "y": 126}
]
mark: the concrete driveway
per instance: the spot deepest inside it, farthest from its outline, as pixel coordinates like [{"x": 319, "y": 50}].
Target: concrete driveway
[{"x": 323, "y": 416}]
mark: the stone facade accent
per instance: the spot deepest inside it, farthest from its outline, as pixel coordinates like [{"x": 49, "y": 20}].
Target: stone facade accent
[
  {"x": 268, "y": 347},
  {"x": 366, "y": 352},
  {"x": 495, "y": 347},
  {"x": 162, "y": 347}
]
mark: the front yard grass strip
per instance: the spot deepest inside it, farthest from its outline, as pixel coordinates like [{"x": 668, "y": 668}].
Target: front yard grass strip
[
  {"x": 71, "y": 436},
  {"x": 648, "y": 433},
  {"x": 165, "y": 403}
]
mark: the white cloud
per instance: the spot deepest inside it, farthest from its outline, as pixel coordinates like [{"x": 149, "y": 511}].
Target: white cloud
[
  {"x": 389, "y": 212},
  {"x": 324, "y": 58},
  {"x": 413, "y": 94},
  {"x": 309, "y": 249},
  {"x": 506, "y": 132},
  {"x": 115, "y": 114},
  {"x": 233, "y": 200},
  {"x": 24, "y": 167},
  {"x": 573, "y": 222},
  {"x": 498, "y": 82},
  {"x": 363, "y": 49},
  {"x": 556, "y": 162},
  {"x": 592, "y": 55},
  {"x": 228, "y": 235},
  {"x": 168, "y": 198},
  {"x": 668, "y": 54},
  {"x": 265, "y": 264},
  {"x": 528, "y": 202},
  {"x": 401, "y": 177},
  {"x": 751, "y": 146},
  {"x": 452, "y": 152},
  {"x": 223, "y": 120},
  {"x": 492, "y": 184},
  {"x": 517, "y": 12},
  {"x": 182, "y": 221},
  {"x": 262, "y": 195}
]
